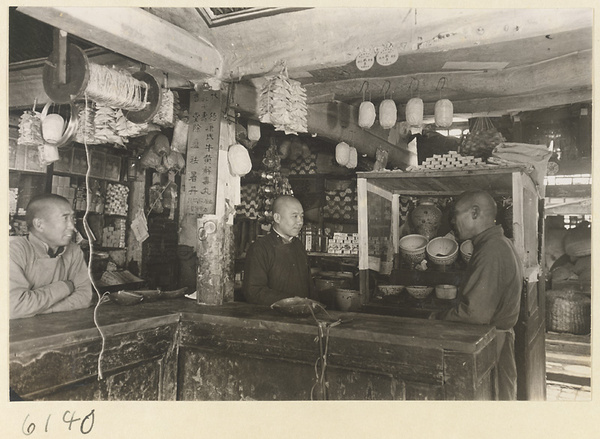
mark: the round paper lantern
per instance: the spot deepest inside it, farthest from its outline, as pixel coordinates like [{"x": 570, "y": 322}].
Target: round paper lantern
[
  {"x": 239, "y": 160},
  {"x": 342, "y": 153},
  {"x": 387, "y": 114},
  {"x": 443, "y": 113},
  {"x": 366, "y": 114},
  {"x": 352, "y": 158},
  {"x": 414, "y": 112},
  {"x": 253, "y": 130}
]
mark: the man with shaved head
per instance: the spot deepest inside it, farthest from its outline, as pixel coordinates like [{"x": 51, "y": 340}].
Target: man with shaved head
[
  {"x": 491, "y": 291},
  {"x": 47, "y": 270},
  {"x": 277, "y": 265}
]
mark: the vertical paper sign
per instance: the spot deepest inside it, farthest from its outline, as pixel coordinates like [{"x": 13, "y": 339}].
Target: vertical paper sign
[{"x": 202, "y": 152}]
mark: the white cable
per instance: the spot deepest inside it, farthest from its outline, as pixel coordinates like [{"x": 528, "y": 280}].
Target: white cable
[{"x": 89, "y": 234}]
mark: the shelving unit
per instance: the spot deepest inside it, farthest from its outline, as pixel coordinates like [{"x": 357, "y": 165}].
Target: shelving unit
[{"x": 526, "y": 224}]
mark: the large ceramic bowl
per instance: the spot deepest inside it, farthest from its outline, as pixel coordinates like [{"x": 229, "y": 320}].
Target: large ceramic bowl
[
  {"x": 442, "y": 250},
  {"x": 466, "y": 250},
  {"x": 412, "y": 248},
  {"x": 419, "y": 291}
]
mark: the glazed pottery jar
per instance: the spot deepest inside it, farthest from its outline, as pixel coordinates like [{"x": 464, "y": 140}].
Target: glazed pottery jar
[{"x": 426, "y": 218}]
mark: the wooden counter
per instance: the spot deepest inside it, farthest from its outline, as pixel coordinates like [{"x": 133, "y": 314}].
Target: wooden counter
[{"x": 178, "y": 350}]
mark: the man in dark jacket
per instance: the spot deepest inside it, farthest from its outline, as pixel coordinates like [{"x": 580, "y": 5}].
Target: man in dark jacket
[
  {"x": 277, "y": 265},
  {"x": 491, "y": 292}
]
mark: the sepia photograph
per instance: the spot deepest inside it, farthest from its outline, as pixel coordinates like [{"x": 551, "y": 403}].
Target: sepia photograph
[{"x": 372, "y": 210}]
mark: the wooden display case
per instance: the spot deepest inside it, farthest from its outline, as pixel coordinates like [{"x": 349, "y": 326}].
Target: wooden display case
[{"x": 527, "y": 235}]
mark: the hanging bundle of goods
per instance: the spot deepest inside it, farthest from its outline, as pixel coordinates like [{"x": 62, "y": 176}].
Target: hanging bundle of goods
[
  {"x": 169, "y": 107},
  {"x": 282, "y": 103},
  {"x": 482, "y": 139},
  {"x": 137, "y": 94},
  {"x": 30, "y": 129}
]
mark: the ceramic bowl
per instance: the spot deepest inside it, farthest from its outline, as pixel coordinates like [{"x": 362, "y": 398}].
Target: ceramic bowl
[
  {"x": 412, "y": 248},
  {"x": 446, "y": 292},
  {"x": 347, "y": 300},
  {"x": 419, "y": 291},
  {"x": 466, "y": 250},
  {"x": 126, "y": 298},
  {"x": 442, "y": 250}
]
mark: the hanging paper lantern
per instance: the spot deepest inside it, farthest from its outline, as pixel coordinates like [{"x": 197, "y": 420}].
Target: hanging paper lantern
[
  {"x": 414, "y": 112},
  {"x": 352, "y": 158},
  {"x": 342, "y": 153},
  {"x": 366, "y": 114},
  {"x": 387, "y": 114},
  {"x": 443, "y": 113},
  {"x": 239, "y": 160},
  {"x": 253, "y": 130}
]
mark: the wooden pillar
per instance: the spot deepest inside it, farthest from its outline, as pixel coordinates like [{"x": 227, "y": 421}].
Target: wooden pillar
[{"x": 209, "y": 197}]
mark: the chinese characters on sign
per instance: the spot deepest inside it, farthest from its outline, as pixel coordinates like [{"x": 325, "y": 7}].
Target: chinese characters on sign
[{"x": 202, "y": 152}]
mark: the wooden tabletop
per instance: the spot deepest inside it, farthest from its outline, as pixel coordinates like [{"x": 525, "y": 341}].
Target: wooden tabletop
[{"x": 42, "y": 331}]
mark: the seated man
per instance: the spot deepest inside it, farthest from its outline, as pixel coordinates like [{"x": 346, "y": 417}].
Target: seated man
[
  {"x": 491, "y": 291},
  {"x": 276, "y": 265},
  {"x": 47, "y": 271}
]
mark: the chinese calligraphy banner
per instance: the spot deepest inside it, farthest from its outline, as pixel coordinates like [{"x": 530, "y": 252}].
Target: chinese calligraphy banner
[{"x": 202, "y": 152}]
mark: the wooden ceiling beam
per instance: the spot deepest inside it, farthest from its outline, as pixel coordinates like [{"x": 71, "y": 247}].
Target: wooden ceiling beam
[
  {"x": 139, "y": 35},
  {"x": 566, "y": 72}
]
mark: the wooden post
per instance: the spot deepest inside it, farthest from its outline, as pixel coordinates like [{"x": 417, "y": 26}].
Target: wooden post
[
  {"x": 209, "y": 197},
  {"x": 363, "y": 239}
]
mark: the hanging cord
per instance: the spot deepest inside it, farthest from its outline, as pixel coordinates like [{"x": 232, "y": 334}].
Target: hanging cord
[
  {"x": 440, "y": 85},
  {"x": 321, "y": 362},
  {"x": 364, "y": 90},
  {"x": 101, "y": 298},
  {"x": 384, "y": 90}
]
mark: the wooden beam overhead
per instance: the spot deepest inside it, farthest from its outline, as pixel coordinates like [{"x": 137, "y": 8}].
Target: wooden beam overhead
[
  {"x": 139, "y": 35},
  {"x": 567, "y": 72}
]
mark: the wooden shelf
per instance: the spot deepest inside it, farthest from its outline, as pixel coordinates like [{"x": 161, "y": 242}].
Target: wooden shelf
[
  {"x": 331, "y": 255},
  {"x": 497, "y": 181}
]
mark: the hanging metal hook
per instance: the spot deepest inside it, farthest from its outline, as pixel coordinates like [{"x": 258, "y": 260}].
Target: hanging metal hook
[
  {"x": 365, "y": 89},
  {"x": 410, "y": 87},
  {"x": 441, "y": 83},
  {"x": 389, "y": 84}
]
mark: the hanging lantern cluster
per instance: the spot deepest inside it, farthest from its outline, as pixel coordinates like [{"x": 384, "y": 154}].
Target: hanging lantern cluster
[
  {"x": 388, "y": 113},
  {"x": 346, "y": 155},
  {"x": 282, "y": 103}
]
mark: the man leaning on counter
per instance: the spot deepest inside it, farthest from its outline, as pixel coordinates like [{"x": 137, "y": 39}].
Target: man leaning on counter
[
  {"x": 491, "y": 291},
  {"x": 276, "y": 265},
  {"x": 47, "y": 270}
]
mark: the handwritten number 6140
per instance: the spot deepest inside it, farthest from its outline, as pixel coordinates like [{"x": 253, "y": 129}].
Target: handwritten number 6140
[{"x": 85, "y": 426}]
